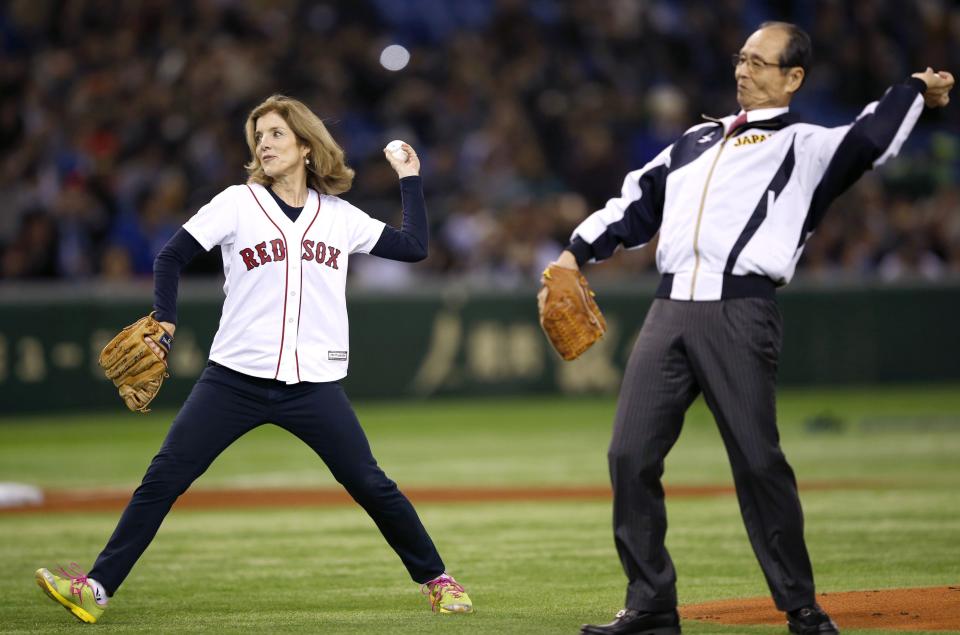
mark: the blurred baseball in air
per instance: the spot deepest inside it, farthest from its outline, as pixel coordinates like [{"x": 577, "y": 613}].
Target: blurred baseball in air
[
  {"x": 395, "y": 148},
  {"x": 394, "y": 57}
]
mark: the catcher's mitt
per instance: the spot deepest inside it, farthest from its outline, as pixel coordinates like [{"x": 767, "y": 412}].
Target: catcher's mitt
[
  {"x": 568, "y": 314},
  {"x": 132, "y": 366}
]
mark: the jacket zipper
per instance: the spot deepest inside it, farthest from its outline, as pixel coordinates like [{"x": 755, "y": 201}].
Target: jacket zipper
[{"x": 696, "y": 231}]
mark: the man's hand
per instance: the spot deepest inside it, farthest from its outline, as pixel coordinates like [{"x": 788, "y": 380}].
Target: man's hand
[
  {"x": 569, "y": 315},
  {"x": 565, "y": 260},
  {"x": 938, "y": 84}
]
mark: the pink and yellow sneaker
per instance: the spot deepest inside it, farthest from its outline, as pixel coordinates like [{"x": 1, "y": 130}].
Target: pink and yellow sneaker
[
  {"x": 72, "y": 591},
  {"x": 447, "y": 596}
]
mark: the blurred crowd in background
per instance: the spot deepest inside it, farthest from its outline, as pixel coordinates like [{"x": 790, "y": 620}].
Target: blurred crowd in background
[{"x": 118, "y": 120}]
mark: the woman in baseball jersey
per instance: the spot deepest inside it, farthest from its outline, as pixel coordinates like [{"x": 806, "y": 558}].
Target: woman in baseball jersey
[{"x": 282, "y": 345}]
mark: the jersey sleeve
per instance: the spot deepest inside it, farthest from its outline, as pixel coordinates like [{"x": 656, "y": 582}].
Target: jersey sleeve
[
  {"x": 216, "y": 222},
  {"x": 631, "y": 220},
  {"x": 834, "y": 158},
  {"x": 363, "y": 230}
]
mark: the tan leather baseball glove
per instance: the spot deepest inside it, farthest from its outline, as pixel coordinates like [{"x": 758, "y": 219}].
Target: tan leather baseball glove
[
  {"x": 132, "y": 366},
  {"x": 568, "y": 314}
]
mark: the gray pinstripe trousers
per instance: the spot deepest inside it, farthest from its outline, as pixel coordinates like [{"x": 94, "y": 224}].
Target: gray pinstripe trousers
[{"x": 728, "y": 350}]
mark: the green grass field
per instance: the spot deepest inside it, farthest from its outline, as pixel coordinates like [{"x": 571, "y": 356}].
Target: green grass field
[{"x": 530, "y": 567}]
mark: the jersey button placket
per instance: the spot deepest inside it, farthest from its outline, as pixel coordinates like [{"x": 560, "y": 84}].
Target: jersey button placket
[
  {"x": 288, "y": 365},
  {"x": 293, "y": 312}
]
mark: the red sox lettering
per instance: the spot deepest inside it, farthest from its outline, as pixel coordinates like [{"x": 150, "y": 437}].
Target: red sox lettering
[
  {"x": 321, "y": 251},
  {"x": 258, "y": 255}
]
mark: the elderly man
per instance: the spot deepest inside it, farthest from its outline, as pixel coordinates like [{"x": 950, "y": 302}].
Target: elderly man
[{"x": 734, "y": 200}]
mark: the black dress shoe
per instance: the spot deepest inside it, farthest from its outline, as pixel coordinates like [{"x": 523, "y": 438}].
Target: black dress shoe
[
  {"x": 633, "y": 622},
  {"x": 811, "y": 620}
]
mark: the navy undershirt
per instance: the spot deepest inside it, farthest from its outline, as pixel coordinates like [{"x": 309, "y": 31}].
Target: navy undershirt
[
  {"x": 292, "y": 212},
  {"x": 408, "y": 244}
]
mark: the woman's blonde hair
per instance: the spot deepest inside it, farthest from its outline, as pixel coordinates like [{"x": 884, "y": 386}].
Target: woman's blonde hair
[{"x": 327, "y": 171}]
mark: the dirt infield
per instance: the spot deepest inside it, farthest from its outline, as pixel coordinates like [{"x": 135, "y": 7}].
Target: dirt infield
[
  {"x": 110, "y": 500},
  {"x": 926, "y": 609}
]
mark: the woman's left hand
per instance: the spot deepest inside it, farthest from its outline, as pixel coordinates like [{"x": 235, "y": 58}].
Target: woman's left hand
[{"x": 410, "y": 167}]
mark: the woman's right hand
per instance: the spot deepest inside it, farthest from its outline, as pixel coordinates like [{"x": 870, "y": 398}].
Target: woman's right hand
[{"x": 410, "y": 167}]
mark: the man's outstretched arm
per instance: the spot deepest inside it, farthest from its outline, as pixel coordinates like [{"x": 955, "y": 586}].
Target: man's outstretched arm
[{"x": 839, "y": 156}]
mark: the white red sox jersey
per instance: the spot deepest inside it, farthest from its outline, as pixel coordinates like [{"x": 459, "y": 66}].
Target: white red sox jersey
[
  {"x": 285, "y": 312},
  {"x": 734, "y": 206}
]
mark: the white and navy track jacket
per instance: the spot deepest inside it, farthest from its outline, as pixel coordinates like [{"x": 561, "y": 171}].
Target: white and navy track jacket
[{"x": 734, "y": 209}]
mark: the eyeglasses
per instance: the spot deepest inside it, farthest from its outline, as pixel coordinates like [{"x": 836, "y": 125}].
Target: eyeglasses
[{"x": 754, "y": 64}]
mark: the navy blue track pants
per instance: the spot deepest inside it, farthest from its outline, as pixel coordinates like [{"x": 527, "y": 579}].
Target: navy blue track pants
[{"x": 223, "y": 406}]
